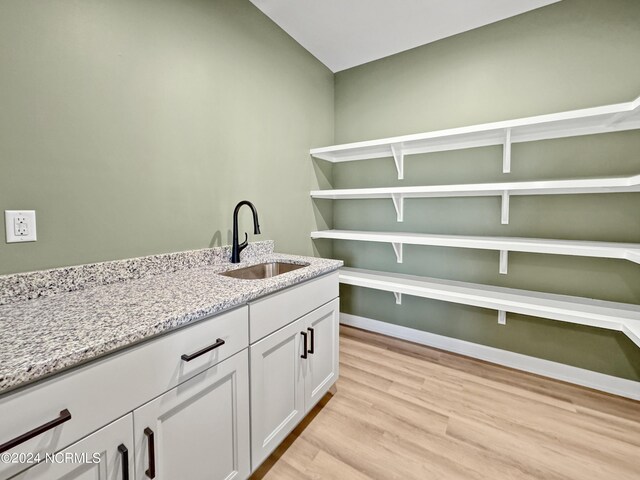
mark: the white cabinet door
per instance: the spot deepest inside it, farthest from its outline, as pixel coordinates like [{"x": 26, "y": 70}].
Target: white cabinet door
[
  {"x": 277, "y": 389},
  {"x": 104, "y": 455},
  {"x": 321, "y": 366},
  {"x": 200, "y": 429}
]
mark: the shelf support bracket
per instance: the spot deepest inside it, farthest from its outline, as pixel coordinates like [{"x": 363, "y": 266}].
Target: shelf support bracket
[
  {"x": 397, "y": 247},
  {"x": 502, "y": 317},
  {"x": 504, "y": 219},
  {"x": 506, "y": 152},
  {"x": 398, "y": 158},
  {"x": 504, "y": 261},
  {"x": 398, "y": 296},
  {"x": 398, "y": 202}
]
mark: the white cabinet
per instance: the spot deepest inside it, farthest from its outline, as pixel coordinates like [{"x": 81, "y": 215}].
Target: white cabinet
[
  {"x": 198, "y": 430},
  {"x": 105, "y": 389},
  {"x": 183, "y": 400},
  {"x": 104, "y": 455},
  {"x": 291, "y": 370}
]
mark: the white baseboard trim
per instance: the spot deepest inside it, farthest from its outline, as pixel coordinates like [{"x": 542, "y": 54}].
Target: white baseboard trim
[{"x": 546, "y": 368}]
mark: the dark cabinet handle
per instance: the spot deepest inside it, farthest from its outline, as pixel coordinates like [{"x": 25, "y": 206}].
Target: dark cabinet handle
[
  {"x": 313, "y": 340},
  {"x": 64, "y": 416},
  {"x": 304, "y": 349},
  {"x": 151, "y": 471},
  {"x": 124, "y": 452},
  {"x": 188, "y": 358}
]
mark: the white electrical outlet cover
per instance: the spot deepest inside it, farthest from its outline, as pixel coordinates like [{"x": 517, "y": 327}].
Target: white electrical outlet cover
[{"x": 20, "y": 225}]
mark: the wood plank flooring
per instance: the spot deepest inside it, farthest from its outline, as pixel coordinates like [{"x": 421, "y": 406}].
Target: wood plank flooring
[{"x": 405, "y": 411}]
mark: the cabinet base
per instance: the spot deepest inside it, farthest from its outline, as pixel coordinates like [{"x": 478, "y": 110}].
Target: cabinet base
[{"x": 333, "y": 389}]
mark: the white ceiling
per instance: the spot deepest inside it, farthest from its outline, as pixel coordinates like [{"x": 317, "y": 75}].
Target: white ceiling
[{"x": 345, "y": 33}]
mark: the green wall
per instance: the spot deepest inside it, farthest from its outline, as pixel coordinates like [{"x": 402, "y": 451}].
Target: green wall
[
  {"x": 573, "y": 54},
  {"x": 134, "y": 127}
]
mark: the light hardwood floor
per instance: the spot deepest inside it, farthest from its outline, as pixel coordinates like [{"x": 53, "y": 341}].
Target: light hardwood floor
[{"x": 405, "y": 411}]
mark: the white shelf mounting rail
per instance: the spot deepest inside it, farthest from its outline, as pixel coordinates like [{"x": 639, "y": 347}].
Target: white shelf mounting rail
[
  {"x": 622, "y": 251},
  {"x": 621, "y": 317},
  {"x": 587, "y": 121},
  {"x": 505, "y": 190}
]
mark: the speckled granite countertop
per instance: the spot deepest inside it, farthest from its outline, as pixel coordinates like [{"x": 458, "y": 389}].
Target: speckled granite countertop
[{"x": 43, "y": 336}]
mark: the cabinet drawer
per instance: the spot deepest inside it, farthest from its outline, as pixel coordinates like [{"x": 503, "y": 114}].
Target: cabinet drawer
[
  {"x": 105, "y": 389},
  {"x": 103, "y": 455},
  {"x": 280, "y": 309}
]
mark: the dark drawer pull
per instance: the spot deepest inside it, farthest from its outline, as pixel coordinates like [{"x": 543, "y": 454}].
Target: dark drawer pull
[
  {"x": 188, "y": 358},
  {"x": 304, "y": 348},
  {"x": 151, "y": 471},
  {"x": 65, "y": 416},
  {"x": 124, "y": 452},
  {"x": 313, "y": 340}
]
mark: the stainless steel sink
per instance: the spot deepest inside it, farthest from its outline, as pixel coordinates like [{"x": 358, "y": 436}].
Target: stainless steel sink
[{"x": 263, "y": 270}]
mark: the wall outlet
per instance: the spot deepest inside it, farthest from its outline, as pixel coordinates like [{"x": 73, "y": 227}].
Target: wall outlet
[{"x": 20, "y": 225}]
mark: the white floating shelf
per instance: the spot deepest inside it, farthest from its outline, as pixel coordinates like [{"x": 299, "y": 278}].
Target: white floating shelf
[
  {"x": 609, "y": 118},
  {"x": 583, "y": 311},
  {"x": 623, "y": 251},
  {"x": 543, "y": 187},
  {"x": 503, "y": 189}
]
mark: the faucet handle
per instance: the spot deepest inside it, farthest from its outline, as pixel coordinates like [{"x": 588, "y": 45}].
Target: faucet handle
[{"x": 242, "y": 246}]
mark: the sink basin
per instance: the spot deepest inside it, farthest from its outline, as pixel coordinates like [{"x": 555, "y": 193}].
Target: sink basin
[{"x": 263, "y": 270}]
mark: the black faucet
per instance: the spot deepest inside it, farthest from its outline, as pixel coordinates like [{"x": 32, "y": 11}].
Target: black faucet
[{"x": 238, "y": 247}]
